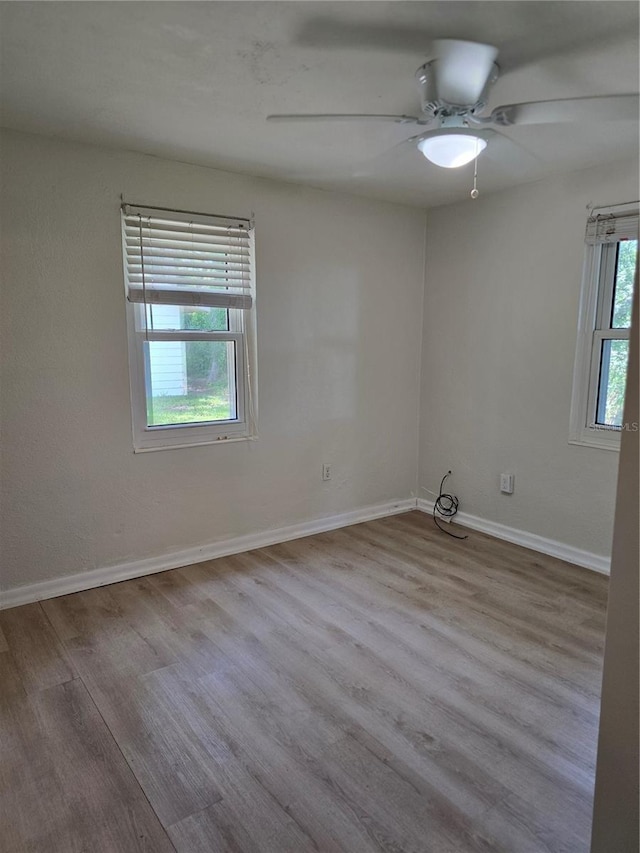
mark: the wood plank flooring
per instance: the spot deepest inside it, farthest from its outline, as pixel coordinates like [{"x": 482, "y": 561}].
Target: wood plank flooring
[{"x": 378, "y": 688}]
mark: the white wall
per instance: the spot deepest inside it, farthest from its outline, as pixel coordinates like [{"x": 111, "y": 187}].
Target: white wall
[
  {"x": 340, "y": 285},
  {"x": 340, "y": 296},
  {"x": 502, "y": 289}
]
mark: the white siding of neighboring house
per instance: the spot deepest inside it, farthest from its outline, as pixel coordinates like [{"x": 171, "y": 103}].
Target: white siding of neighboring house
[{"x": 168, "y": 360}]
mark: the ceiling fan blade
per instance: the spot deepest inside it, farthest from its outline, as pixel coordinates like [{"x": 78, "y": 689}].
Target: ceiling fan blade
[
  {"x": 300, "y": 117},
  {"x": 601, "y": 108},
  {"x": 388, "y": 157},
  {"x": 509, "y": 156},
  {"x": 463, "y": 68}
]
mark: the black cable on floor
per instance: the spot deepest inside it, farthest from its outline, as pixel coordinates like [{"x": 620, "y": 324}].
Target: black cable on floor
[{"x": 447, "y": 506}]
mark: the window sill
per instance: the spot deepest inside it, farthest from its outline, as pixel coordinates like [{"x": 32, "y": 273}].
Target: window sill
[
  {"x": 601, "y": 442},
  {"x": 201, "y": 443}
]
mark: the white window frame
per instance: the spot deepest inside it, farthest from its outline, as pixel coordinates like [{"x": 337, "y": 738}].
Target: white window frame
[
  {"x": 241, "y": 332},
  {"x": 593, "y": 329}
]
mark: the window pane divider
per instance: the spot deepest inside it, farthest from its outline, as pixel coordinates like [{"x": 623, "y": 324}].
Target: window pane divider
[{"x": 611, "y": 335}]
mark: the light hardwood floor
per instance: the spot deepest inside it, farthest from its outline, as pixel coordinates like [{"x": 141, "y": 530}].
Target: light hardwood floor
[{"x": 378, "y": 688}]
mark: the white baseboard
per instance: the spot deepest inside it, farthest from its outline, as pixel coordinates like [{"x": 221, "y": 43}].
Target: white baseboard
[
  {"x": 150, "y": 565},
  {"x": 553, "y": 548}
]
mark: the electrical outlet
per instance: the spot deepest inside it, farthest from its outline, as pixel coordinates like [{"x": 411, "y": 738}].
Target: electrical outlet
[
  {"x": 507, "y": 483},
  {"x": 326, "y": 471},
  {"x": 446, "y": 518}
]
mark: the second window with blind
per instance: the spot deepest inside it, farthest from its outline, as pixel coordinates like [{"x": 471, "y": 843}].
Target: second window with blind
[
  {"x": 602, "y": 355},
  {"x": 190, "y": 295}
]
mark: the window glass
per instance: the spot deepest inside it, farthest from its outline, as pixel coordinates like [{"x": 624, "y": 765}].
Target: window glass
[
  {"x": 183, "y": 318},
  {"x": 623, "y": 292},
  {"x": 190, "y": 382},
  {"x": 613, "y": 379}
]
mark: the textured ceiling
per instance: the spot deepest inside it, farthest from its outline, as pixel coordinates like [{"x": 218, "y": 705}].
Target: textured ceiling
[{"x": 194, "y": 82}]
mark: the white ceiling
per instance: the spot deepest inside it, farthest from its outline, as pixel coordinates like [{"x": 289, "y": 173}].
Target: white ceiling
[{"x": 194, "y": 81}]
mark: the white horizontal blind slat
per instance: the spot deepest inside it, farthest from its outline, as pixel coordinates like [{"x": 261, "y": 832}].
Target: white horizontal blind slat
[
  {"x": 186, "y": 264},
  {"x": 167, "y": 227},
  {"x": 190, "y": 242},
  {"x": 183, "y": 259},
  {"x": 154, "y": 295},
  {"x": 234, "y": 280},
  {"x": 160, "y": 252}
]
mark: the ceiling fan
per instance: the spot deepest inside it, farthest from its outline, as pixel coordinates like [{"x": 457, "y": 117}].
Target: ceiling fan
[{"x": 454, "y": 86}]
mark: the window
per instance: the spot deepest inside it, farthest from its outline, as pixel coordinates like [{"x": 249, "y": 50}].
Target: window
[
  {"x": 602, "y": 352},
  {"x": 189, "y": 287}
]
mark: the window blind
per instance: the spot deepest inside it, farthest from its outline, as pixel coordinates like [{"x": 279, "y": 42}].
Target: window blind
[
  {"x": 612, "y": 224},
  {"x": 174, "y": 258}
]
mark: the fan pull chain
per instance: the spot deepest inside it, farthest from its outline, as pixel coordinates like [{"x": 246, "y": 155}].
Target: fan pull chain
[{"x": 474, "y": 192}]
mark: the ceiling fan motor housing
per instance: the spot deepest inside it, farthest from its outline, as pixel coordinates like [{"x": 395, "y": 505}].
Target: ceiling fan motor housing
[{"x": 433, "y": 98}]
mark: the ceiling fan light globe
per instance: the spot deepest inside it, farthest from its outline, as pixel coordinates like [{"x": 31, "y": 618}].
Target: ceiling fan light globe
[{"x": 451, "y": 150}]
